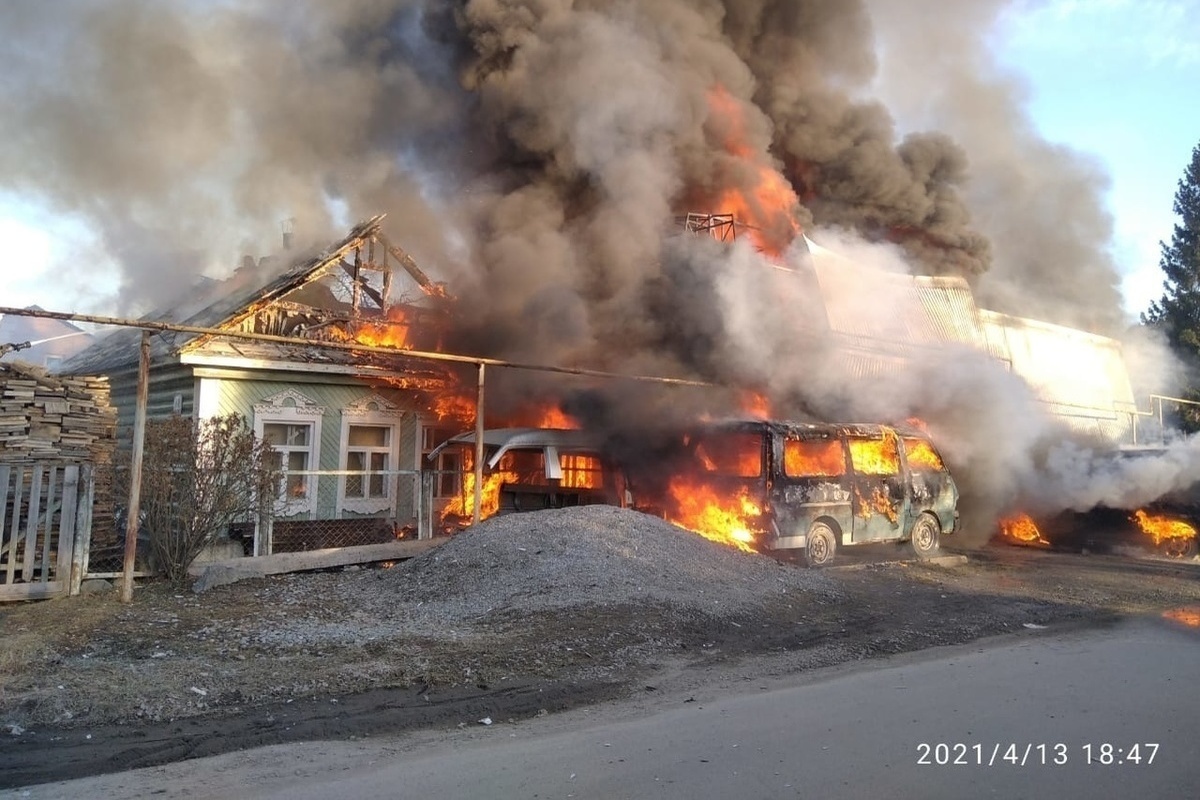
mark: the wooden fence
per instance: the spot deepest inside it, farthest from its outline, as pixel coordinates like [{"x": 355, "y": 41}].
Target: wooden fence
[{"x": 45, "y": 528}]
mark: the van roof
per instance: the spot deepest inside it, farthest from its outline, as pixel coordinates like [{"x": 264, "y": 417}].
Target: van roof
[
  {"x": 505, "y": 439},
  {"x": 787, "y": 427}
]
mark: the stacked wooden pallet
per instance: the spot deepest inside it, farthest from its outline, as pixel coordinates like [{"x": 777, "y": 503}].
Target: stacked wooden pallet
[{"x": 48, "y": 418}]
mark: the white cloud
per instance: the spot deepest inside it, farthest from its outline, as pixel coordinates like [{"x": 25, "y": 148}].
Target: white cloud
[{"x": 1158, "y": 32}]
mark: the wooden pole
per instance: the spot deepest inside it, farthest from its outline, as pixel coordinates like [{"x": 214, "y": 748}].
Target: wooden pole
[
  {"x": 478, "y": 448},
  {"x": 133, "y": 509}
]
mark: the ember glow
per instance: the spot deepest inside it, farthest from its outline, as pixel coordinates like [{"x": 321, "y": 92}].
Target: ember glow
[
  {"x": 722, "y": 517},
  {"x": 1161, "y": 528},
  {"x": 1021, "y": 529},
  {"x": 1187, "y": 615}
]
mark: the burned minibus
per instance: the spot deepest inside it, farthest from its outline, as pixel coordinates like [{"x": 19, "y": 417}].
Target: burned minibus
[{"x": 810, "y": 487}]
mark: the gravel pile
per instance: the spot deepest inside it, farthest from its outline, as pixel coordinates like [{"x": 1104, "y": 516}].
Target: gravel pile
[
  {"x": 587, "y": 557},
  {"x": 594, "y": 556}
]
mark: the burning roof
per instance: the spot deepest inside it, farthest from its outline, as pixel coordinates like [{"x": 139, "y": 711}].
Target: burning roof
[{"x": 319, "y": 295}]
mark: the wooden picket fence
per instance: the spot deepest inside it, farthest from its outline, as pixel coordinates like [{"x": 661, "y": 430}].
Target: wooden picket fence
[{"x": 45, "y": 528}]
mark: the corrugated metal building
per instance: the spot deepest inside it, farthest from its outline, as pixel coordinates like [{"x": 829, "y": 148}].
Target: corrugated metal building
[{"x": 884, "y": 321}]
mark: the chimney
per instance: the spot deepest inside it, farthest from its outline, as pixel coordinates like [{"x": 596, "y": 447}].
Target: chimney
[{"x": 288, "y": 227}]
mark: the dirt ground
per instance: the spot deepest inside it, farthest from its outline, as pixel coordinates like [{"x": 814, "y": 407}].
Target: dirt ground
[{"x": 502, "y": 626}]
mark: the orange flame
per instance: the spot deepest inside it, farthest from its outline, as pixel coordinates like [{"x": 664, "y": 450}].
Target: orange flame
[
  {"x": 1160, "y": 528},
  {"x": 879, "y": 503},
  {"x": 489, "y": 503},
  {"x": 875, "y": 456},
  {"x": 729, "y": 520},
  {"x": 813, "y": 457},
  {"x": 921, "y": 455},
  {"x": 581, "y": 471},
  {"x": 1021, "y": 529},
  {"x": 756, "y": 405},
  {"x": 765, "y": 200},
  {"x": 546, "y": 415}
]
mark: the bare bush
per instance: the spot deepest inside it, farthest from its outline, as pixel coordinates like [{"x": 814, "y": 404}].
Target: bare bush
[{"x": 197, "y": 479}]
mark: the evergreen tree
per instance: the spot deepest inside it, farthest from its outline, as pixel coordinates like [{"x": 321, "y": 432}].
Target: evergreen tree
[{"x": 1177, "y": 314}]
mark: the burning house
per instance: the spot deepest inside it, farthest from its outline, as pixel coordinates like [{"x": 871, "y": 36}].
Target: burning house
[{"x": 349, "y": 429}]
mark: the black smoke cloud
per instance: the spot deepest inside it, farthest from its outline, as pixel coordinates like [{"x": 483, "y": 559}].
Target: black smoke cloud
[{"x": 535, "y": 152}]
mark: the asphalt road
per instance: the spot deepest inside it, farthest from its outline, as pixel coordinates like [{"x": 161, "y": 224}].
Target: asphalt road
[{"x": 1044, "y": 714}]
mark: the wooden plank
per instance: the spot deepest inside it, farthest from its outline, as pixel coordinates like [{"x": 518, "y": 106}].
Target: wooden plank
[
  {"x": 15, "y": 527},
  {"x": 219, "y": 573},
  {"x": 31, "y": 523},
  {"x": 31, "y": 591},
  {"x": 66, "y": 522},
  {"x": 48, "y": 527},
  {"x": 83, "y": 527},
  {"x": 5, "y": 471}
]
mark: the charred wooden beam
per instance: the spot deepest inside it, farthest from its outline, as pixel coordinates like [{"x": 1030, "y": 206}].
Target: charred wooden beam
[
  {"x": 410, "y": 266},
  {"x": 361, "y": 285},
  {"x": 356, "y": 281}
]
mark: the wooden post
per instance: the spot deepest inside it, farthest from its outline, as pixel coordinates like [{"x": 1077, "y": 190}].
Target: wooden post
[
  {"x": 134, "y": 508},
  {"x": 66, "y": 525},
  {"x": 478, "y": 448},
  {"x": 425, "y": 487}
]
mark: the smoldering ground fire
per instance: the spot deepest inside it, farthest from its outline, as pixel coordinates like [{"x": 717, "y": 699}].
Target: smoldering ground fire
[{"x": 536, "y": 155}]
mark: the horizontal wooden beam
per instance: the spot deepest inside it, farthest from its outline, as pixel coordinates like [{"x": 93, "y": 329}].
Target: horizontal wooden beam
[{"x": 220, "y": 573}]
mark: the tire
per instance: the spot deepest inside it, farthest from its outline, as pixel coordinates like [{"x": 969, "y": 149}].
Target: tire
[
  {"x": 1178, "y": 548},
  {"x": 820, "y": 545},
  {"x": 926, "y": 536}
]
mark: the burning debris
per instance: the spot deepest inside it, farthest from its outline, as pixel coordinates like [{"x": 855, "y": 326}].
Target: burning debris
[
  {"x": 1021, "y": 529},
  {"x": 1178, "y": 536}
]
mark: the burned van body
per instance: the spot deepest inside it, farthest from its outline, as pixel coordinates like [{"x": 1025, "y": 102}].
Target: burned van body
[
  {"x": 820, "y": 486},
  {"x": 1165, "y": 527},
  {"x": 527, "y": 469}
]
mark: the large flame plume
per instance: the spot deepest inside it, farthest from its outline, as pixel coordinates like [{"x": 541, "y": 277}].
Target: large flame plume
[{"x": 731, "y": 518}]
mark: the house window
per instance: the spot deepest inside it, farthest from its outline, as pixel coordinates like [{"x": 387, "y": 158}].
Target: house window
[
  {"x": 448, "y": 466},
  {"x": 292, "y": 443},
  {"x": 290, "y": 423},
  {"x": 368, "y": 449}
]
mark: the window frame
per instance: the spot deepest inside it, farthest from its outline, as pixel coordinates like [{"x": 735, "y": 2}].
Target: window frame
[
  {"x": 291, "y": 407},
  {"x": 373, "y": 411}
]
